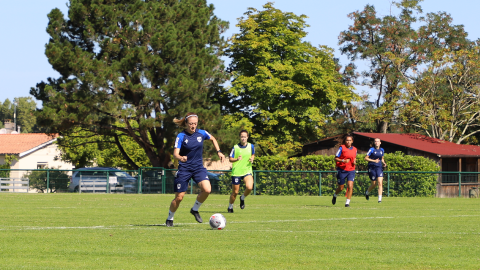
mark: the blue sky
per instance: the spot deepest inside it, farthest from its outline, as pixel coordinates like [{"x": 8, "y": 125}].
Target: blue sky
[{"x": 23, "y": 63}]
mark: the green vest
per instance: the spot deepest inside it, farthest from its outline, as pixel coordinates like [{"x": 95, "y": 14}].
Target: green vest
[{"x": 242, "y": 167}]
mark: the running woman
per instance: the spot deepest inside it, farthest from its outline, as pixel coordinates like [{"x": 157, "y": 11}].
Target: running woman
[
  {"x": 375, "y": 169},
  {"x": 188, "y": 151},
  {"x": 346, "y": 160},
  {"x": 242, "y": 157}
]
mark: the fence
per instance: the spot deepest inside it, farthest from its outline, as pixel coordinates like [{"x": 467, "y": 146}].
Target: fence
[
  {"x": 14, "y": 185},
  {"x": 304, "y": 183}
]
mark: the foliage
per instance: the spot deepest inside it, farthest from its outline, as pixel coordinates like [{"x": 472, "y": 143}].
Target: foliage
[
  {"x": 444, "y": 99},
  {"x": 57, "y": 180},
  {"x": 5, "y": 167},
  {"x": 25, "y": 110},
  {"x": 393, "y": 47},
  {"x": 130, "y": 67},
  {"x": 284, "y": 87},
  {"x": 85, "y": 149},
  {"x": 294, "y": 180}
]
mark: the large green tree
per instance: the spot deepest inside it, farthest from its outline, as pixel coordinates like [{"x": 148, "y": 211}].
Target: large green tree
[
  {"x": 444, "y": 99},
  {"x": 25, "y": 109},
  {"x": 131, "y": 67},
  {"x": 84, "y": 148},
  {"x": 284, "y": 89},
  {"x": 392, "y": 46}
]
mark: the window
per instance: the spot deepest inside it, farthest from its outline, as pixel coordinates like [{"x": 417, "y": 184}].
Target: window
[{"x": 42, "y": 165}]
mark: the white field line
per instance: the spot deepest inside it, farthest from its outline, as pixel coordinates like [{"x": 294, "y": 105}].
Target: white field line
[{"x": 5, "y": 228}]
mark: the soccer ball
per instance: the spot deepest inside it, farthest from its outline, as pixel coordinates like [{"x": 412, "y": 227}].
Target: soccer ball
[{"x": 217, "y": 222}]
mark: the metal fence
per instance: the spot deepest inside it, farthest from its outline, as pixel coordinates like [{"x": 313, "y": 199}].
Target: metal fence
[{"x": 303, "y": 183}]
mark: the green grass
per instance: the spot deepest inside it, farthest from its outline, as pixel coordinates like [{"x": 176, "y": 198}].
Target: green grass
[{"x": 113, "y": 231}]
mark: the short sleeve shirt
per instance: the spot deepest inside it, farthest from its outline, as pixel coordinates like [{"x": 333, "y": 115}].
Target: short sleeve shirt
[{"x": 191, "y": 145}]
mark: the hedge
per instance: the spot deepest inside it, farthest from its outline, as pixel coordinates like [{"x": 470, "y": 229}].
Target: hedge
[{"x": 293, "y": 182}]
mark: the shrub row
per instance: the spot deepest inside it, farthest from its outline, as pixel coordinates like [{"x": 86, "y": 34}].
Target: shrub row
[{"x": 293, "y": 182}]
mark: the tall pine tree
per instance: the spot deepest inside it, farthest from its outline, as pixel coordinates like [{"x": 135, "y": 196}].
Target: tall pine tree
[{"x": 132, "y": 66}]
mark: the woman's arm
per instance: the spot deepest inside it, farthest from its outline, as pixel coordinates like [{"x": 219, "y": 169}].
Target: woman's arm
[
  {"x": 176, "y": 155},
  {"x": 215, "y": 143}
]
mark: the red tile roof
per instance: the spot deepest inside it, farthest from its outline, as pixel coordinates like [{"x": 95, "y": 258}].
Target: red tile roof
[
  {"x": 19, "y": 143},
  {"x": 426, "y": 144}
]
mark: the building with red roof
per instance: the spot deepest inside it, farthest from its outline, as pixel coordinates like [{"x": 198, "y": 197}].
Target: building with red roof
[
  {"x": 32, "y": 151},
  {"x": 450, "y": 157}
]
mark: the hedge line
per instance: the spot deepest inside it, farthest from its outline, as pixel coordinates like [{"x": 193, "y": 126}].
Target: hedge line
[{"x": 307, "y": 183}]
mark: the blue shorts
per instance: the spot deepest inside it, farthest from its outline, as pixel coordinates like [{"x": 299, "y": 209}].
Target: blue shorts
[
  {"x": 236, "y": 179},
  {"x": 343, "y": 175},
  {"x": 183, "y": 176},
  {"x": 374, "y": 172}
]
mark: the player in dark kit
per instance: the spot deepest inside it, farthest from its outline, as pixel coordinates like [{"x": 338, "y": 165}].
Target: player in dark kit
[
  {"x": 346, "y": 160},
  {"x": 188, "y": 151},
  {"x": 375, "y": 169}
]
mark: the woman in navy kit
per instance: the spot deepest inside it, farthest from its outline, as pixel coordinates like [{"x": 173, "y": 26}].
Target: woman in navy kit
[
  {"x": 188, "y": 151},
  {"x": 346, "y": 160},
  {"x": 375, "y": 170}
]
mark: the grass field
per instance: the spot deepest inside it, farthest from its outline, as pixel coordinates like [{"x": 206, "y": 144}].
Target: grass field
[{"x": 113, "y": 231}]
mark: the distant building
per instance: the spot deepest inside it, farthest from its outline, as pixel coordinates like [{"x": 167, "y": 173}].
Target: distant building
[
  {"x": 450, "y": 157},
  {"x": 32, "y": 150},
  {"x": 9, "y": 128}
]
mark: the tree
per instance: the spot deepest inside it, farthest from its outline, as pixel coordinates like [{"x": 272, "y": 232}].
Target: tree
[
  {"x": 444, "y": 99},
  {"x": 283, "y": 87},
  {"x": 130, "y": 67},
  {"x": 5, "y": 167},
  {"x": 383, "y": 40},
  {"x": 84, "y": 148},
  {"x": 26, "y": 107}
]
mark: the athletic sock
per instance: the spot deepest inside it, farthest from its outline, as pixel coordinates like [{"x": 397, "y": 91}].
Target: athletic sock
[
  {"x": 242, "y": 197},
  {"x": 335, "y": 195},
  {"x": 230, "y": 206},
  {"x": 368, "y": 193},
  {"x": 170, "y": 215},
  {"x": 379, "y": 198},
  {"x": 348, "y": 201},
  {"x": 196, "y": 206}
]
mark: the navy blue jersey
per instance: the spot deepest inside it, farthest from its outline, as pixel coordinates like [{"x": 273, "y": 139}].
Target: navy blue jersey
[
  {"x": 232, "y": 153},
  {"x": 374, "y": 154},
  {"x": 191, "y": 145}
]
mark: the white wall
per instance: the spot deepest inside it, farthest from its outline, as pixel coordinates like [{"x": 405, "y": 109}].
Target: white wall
[{"x": 45, "y": 155}]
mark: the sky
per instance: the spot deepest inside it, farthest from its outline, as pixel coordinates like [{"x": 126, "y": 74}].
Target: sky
[{"x": 23, "y": 35}]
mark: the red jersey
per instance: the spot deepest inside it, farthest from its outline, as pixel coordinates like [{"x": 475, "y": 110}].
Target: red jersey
[{"x": 345, "y": 153}]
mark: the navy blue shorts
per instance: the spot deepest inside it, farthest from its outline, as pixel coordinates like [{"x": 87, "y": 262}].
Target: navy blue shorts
[
  {"x": 183, "y": 176},
  {"x": 237, "y": 179},
  {"x": 374, "y": 172},
  {"x": 343, "y": 175}
]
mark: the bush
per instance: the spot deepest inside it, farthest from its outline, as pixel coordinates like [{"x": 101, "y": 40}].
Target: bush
[
  {"x": 294, "y": 182},
  {"x": 58, "y": 180}
]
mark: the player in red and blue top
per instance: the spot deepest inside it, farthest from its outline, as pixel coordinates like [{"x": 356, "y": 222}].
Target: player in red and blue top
[
  {"x": 375, "y": 170},
  {"x": 346, "y": 160},
  {"x": 188, "y": 151}
]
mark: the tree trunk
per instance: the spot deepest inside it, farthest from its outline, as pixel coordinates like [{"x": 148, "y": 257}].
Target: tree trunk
[{"x": 382, "y": 127}]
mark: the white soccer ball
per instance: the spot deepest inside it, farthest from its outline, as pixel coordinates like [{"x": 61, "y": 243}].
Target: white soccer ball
[{"x": 217, "y": 221}]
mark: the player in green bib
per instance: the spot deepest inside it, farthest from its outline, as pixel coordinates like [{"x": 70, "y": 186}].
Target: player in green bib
[{"x": 242, "y": 157}]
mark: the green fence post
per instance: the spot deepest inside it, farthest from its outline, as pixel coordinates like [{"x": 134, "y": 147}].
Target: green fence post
[
  {"x": 108, "y": 182},
  {"x": 254, "y": 183},
  {"x": 191, "y": 186},
  {"x": 163, "y": 180},
  {"x": 459, "y": 184},
  {"x": 48, "y": 180},
  {"x": 320, "y": 184},
  {"x": 388, "y": 184},
  {"x": 140, "y": 181}
]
